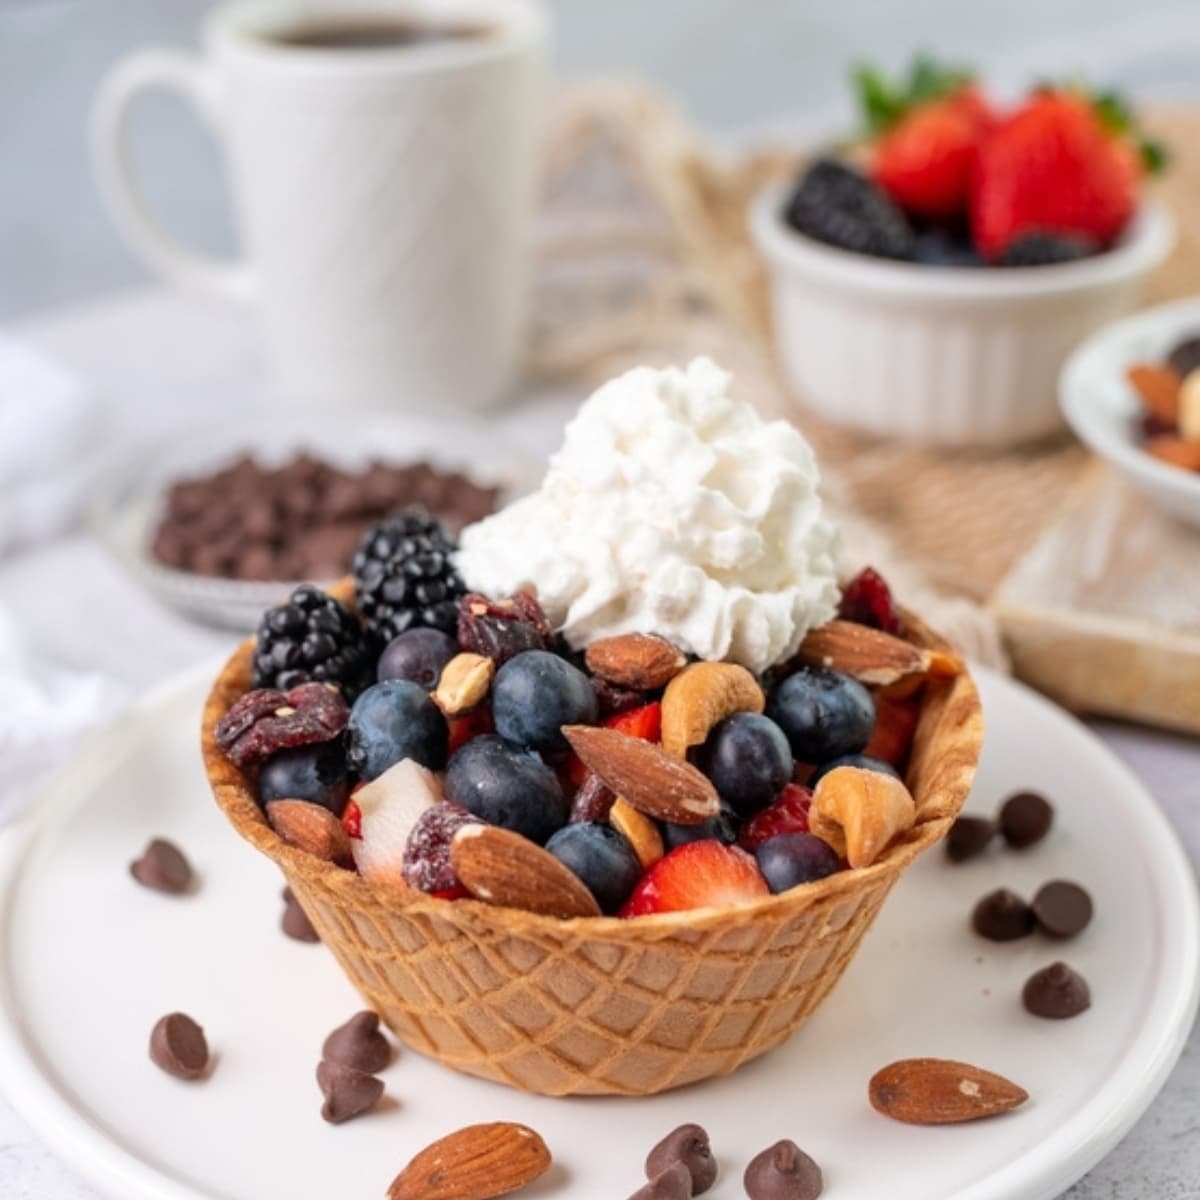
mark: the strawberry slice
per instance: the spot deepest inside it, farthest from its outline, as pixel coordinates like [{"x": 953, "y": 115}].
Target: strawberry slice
[
  {"x": 471, "y": 725},
  {"x": 644, "y": 722},
  {"x": 352, "y": 819},
  {"x": 704, "y": 874},
  {"x": 895, "y": 723},
  {"x": 789, "y": 814}
]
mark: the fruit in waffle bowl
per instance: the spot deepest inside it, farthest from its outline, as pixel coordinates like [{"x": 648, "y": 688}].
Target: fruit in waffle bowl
[{"x": 623, "y": 825}]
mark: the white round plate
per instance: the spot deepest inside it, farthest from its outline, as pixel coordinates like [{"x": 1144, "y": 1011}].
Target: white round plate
[{"x": 89, "y": 961}]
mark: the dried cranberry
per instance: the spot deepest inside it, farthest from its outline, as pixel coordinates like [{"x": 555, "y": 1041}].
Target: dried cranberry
[
  {"x": 593, "y": 801},
  {"x": 265, "y": 720},
  {"x": 867, "y": 599},
  {"x": 427, "y": 866},
  {"x": 502, "y": 629},
  {"x": 614, "y": 699},
  {"x": 1148, "y": 426}
]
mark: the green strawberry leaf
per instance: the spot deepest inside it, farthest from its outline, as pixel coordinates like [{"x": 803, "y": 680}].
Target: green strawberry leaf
[
  {"x": 883, "y": 102},
  {"x": 1156, "y": 156}
]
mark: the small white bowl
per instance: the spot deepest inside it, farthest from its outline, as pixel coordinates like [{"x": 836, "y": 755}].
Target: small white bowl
[
  {"x": 950, "y": 356},
  {"x": 1102, "y": 409}
]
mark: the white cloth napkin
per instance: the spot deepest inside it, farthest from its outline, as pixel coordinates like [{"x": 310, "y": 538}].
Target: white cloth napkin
[
  {"x": 44, "y": 710},
  {"x": 48, "y": 434}
]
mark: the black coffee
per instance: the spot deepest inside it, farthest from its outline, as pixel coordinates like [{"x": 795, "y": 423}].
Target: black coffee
[{"x": 374, "y": 32}]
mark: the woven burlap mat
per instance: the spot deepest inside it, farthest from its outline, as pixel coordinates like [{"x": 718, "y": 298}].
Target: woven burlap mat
[{"x": 645, "y": 257}]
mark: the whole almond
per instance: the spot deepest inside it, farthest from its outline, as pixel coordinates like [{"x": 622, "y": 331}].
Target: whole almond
[
  {"x": 870, "y": 655},
  {"x": 938, "y": 1091},
  {"x": 700, "y": 696},
  {"x": 1157, "y": 386},
  {"x": 464, "y": 683},
  {"x": 860, "y": 812},
  {"x": 479, "y": 1162},
  {"x": 311, "y": 827},
  {"x": 645, "y": 775},
  {"x": 505, "y": 869},
  {"x": 638, "y": 830},
  {"x": 635, "y": 660}
]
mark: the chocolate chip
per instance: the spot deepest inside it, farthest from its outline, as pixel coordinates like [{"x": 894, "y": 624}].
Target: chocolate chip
[
  {"x": 1002, "y": 916},
  {"x": 348, "y": 1093},
  {"x": 358, "y": 1044},
  {"x": 178, "y": 1046},
  {"x": 689, "y": 1145},
  {"x": 783, "y": 1172},
  {"x": 1056, "y": 992},
  {"x": 1062, "y": 908},
  {"x": 1025, "y": 818},
  {"x": 163, "y": 867},
  {"x": 672, "y": 1184},
  {"x": 968, "y": 837},
  {"x": 295, "y": 922}
]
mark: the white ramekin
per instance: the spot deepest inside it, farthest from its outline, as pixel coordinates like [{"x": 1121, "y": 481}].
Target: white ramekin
[
  {"x": 950, "y": 356},
  {"x": 1100, "y": 406}
]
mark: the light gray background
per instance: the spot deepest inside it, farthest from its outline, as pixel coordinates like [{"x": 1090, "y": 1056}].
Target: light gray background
[
  {"x": 736, "y": 65},
  {"x": 742, "y": 68}
]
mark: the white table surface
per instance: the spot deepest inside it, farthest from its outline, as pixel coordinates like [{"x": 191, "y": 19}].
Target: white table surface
[{"x": 159, "y": 362}]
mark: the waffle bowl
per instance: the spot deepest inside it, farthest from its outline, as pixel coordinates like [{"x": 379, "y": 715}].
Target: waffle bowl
[{"x": 598, "y": 1005}]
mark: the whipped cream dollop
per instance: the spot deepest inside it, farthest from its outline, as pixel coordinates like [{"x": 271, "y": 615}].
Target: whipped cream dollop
[{"x": 674, "y": 509}]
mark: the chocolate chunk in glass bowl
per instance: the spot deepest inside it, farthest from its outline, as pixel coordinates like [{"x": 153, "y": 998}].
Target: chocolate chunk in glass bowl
[
  {"x": 1002, "y": 916},
  {"x": 1062, "y": 908},
  {"x": 178, "y": 1046},
  {"x": 1056, "y": 992},
  {"x": 1025, "y": 818},
  {"x": 163, "y": 867}
]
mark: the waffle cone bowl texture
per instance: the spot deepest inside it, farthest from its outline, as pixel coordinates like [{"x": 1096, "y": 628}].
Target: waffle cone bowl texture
[{"x": 600, "y": 1005}]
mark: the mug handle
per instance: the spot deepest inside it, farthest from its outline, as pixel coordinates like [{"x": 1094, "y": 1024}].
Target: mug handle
[{"x": 189, "y": 76}]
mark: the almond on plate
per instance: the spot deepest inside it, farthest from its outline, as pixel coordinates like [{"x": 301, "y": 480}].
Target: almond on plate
[
  {"x": 939, "y": 1091},
  {"x": 479, "y": 1162}
]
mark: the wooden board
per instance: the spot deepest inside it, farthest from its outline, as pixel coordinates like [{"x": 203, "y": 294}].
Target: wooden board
[{"x": 1103, "y": 611}]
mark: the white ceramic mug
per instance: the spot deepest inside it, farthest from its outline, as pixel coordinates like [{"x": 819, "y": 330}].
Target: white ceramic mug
[{"x": 383, "y": 196}]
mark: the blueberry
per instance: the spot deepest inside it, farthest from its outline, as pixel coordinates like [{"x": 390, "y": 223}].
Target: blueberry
[
  {"x": 507, "y": 786},
  {"x": 725, "y": 827},
  {"x": 823, "y": 713},
  {"x": 748, "y": 760},
  {"x": 602, "y": 859},
  {"x": 853, "y": 760},
  {"x": 789, "y": 859},
  {"x": 317, "y": 773},
  {"x": 394, "y": 720},
  {"x": 535, "y": 694},
  {"x": 419, "y": 655}
]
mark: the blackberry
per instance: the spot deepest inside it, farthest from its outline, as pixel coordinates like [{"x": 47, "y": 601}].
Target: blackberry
[
  {"x": 1046, "y": 249},
  {"x": 405, "y": 578},
  {"x": 842, "y": 208},
  {"x": 312, "y": 638}
]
